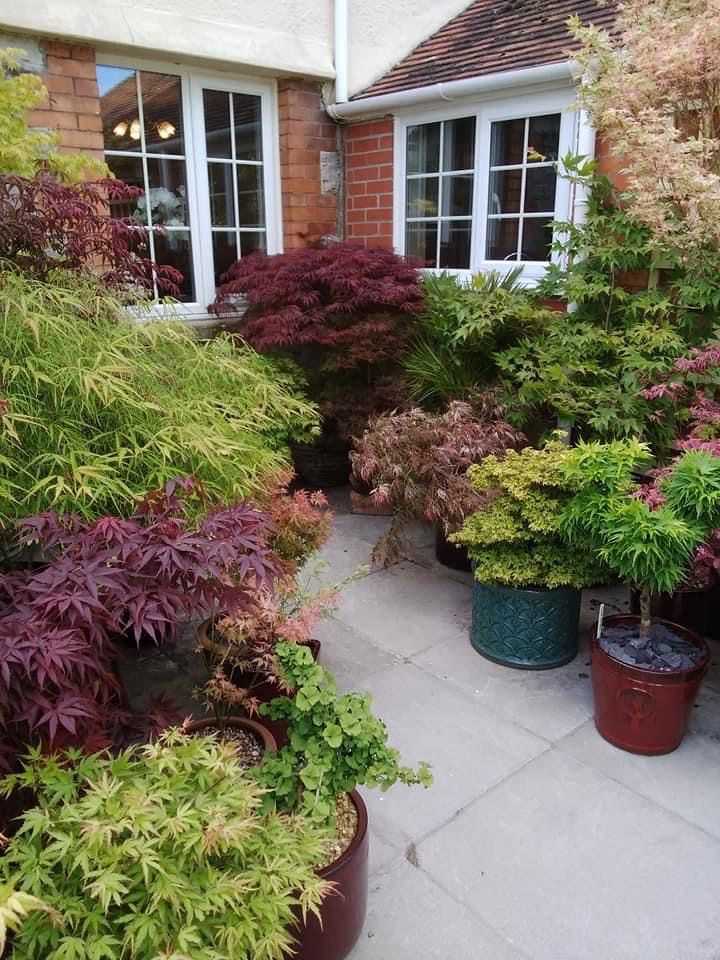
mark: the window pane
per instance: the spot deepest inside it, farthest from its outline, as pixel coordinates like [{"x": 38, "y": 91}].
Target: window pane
[
  {"x": 421, "y": 241},
  {"x": 459, "y": 144},
  {"x": 167, "y": 194},
  {"x": 454, "y": 244},
  {"x": 250, "y": 242},
  {"x": 162, "y": 112},
  {"x": 117, "y": 88},
  {"x": 422, "y": 197},
  {"x": 248, "y": 138},
  {"x": 502, "y": 239},
  {"x": 173, "y": 248},
  {"x": 217, "y": 123},
  {"x": 507, "y": 142},
  {"x": 220, "y": 181},
  {"x": 251, "y": 207},
  {"x": 457, "y": 196},
  {"x": 224, "y": 252},
  {"x": 540, "y": 190},
  {"x": 505, "y": 189},
  {"x": 423, "y": 148},
  {"x": 544, "y": 136},
  {"x": 129, "y": 169},
  {"x": 537, "y": 237}
]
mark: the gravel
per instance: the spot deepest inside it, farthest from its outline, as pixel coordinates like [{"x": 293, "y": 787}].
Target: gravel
[{"x": 664, "y": 650}]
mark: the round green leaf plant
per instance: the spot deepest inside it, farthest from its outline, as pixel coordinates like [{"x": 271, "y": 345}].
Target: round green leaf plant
[
  {"x": 515, "y": 540},
  {"x": 648, "y": 536},
  {"x": 161, "y": 852},
  {"x": 335, "y": 743}
]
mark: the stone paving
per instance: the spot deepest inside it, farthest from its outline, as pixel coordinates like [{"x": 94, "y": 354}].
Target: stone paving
[{"x": 538, "y": 840}]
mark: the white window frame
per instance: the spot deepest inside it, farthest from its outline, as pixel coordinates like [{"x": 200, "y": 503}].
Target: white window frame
[
  {"x": 192, "y": 83},
  {"x": 503, "y": 106}
]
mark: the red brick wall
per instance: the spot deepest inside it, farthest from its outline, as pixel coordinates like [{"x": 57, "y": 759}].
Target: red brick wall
[
  {"x": 305, "y": 132},
  {"x": 608, "y": 164},
  {"x": 369, "y": 183},
  {"x": 73, "y": 106}
]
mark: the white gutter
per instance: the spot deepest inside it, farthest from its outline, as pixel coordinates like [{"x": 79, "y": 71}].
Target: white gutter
[
  {"x": 341, "y": 51},
  {"x": 453, "y": 90}
]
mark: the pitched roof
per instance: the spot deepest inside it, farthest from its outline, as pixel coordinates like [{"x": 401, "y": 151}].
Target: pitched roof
[{"x": 491, "y": 36}]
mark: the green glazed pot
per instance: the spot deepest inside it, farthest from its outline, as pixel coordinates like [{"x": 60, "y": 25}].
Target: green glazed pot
[{"x": 529, "y": 629}]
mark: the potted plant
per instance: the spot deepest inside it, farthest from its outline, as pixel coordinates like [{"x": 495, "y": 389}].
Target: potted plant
[
  {"x": 346, "y": 314},
  {"x": 335, "y": 745},
  {"x": 162, "y": 851},
  {"x": 526, "y": 600},
  {"x": 417, "y": 462},
  {"x": 646, "y": 673}
]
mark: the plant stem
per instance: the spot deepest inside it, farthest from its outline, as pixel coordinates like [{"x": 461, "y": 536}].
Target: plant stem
[{"x": 645, "y": 621}]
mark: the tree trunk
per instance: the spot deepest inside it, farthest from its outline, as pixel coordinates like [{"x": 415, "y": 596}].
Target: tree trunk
[{"x": 645, "y": 621}]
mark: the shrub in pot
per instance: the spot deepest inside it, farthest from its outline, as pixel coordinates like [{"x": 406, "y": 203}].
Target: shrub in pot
[
  {"x": 335, "y": 745},
  {"x": 345, "y": 313},
  {"x": 646, "y": 673},
  {"x": 162, "y": 851},
  {"x": 418, "y": 461},
  {"x": 527, "y": 577}
]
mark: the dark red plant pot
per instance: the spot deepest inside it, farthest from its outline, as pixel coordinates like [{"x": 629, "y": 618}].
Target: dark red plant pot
[
  {"x": 644, "y": 711},
  {"x": 450, "y": 554},
  {"x": 239, "y": 723},
  {"x": 321, "y": 467},
  {"x": 697, "y": 609},
  {"x": 343, "y": 910}
]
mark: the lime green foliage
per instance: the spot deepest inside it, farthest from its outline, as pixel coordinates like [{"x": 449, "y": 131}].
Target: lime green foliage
[
  {"x": 97, "y": 409},
  {"x": 462, "y": 327},
  {"x": 161, "y": 852},
  {"x": 15, "y": 908},
  {"x": 24, "y": 151},
  {"x": 335, "y": 744},
  {"x": 630, "y": 321},
  {"x": 650, "y": 545},
  {"x": 516, "y": 541}
]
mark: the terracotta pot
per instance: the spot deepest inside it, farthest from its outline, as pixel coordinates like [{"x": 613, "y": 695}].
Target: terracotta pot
[
  {"x": 321, "y": 466},
  {"x": 342, "y": 911},
  {"x": 239, "y": 723},
  {"x": 363, "y": 504},
  {"x": 697, "y": 609},
  {"x": 643, "y": 711},
  {"x": 450, "y": 554}
]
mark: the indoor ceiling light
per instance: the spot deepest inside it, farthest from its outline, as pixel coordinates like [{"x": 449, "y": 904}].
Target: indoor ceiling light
[
  {"x": 165, "y": 129},
  {"x": 135, "y": 129},
  {"x": 120, "y": 129}
]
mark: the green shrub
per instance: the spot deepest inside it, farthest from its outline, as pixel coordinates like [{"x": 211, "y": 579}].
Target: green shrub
[
  {"x": 97, "y": 408},
  {"x": 159, "y": 853},
  {"x": 516, "y": 540}
]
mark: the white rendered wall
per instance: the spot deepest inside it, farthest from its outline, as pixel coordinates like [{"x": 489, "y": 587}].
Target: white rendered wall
[{"x": 279, "y": 36}]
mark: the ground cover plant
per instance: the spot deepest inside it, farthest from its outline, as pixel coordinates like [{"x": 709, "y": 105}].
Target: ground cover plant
[
  {"x": 346, "y": 313},
  {"x": 160, "y": 852}
]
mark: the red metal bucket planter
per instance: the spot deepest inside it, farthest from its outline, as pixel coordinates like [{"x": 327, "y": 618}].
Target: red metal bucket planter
[
  {"x": 342, "y": 911},
  {"x": 644, "y": 711}
]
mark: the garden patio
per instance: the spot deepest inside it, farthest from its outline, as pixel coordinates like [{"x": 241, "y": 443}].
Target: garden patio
[{"x": 538, "y": 840}]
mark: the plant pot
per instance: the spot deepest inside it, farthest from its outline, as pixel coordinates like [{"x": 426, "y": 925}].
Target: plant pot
[
  {"x": 530, "y": 629},
  {"x": 450, "y": 554},
  {"x": 364, "y": 505},
  {"x": 698, "y": 609},
  {"x": 342, "y": 911},
  {"x": 643, "y": 711},
  {"x": 322, "y": 466},
  {"x": 259, "y": 730}
]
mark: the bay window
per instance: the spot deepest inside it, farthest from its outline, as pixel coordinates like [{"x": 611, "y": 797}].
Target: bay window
[{"x": 202, "y": 150}]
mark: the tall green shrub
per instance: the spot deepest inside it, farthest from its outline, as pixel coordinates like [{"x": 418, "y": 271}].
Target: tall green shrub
[{"x": 97, "y": 408}]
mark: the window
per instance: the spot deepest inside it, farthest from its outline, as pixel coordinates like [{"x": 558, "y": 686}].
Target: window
[
  {"x": 201, "y": 150},
  {"x": 479, "y": 190}
]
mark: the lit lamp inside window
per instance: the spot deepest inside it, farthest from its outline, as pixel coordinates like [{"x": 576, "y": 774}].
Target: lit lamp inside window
[{"x": 164, "y": 128}]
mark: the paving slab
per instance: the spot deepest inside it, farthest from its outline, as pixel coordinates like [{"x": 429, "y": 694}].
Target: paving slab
[
  {"x": 574, "y": 866},
  {"x": 470, "y": 749},
  {"x": 410, "y": 918},
  {"x": 349, "y": 654},
  {"x": 405, "y": 609}
]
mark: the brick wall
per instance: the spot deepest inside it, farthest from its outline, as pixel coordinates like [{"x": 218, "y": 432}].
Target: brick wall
[
  {"x": 73, "y": 106},
  {"x": 369, "y": 183},
  {"x": 608, "y": 164},
  {"x": 305, "y": 132}
]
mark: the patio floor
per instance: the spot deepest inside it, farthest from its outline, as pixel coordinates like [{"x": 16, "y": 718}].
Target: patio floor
[{"x": 538, "y": 840}]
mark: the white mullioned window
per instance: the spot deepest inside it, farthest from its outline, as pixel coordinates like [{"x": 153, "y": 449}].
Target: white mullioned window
[
  {"x": 476, "y": 187},
  {"x": 203, "y": 148}
]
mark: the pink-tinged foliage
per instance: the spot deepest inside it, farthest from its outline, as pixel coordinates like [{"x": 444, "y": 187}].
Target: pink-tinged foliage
[
  {"x": 139, "y": 577},
  {"x": 301, "y": 520},
  {"x": 418, "y": 461},
  {"x": 46, "y": 225}
]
